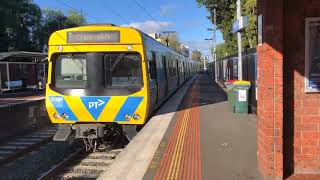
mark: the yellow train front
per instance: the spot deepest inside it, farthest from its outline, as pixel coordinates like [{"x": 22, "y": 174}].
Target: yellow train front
[{"x": 101, "y": 75}]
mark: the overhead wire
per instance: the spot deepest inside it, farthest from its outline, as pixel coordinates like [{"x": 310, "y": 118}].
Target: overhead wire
[
  {"x": 145, "y": 10},
  {"x": 79, "y": 11},
  {"x": 120, "y": 16}
]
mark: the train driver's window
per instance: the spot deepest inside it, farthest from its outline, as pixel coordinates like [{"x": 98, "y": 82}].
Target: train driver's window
[
  {"x": 70, "y": 71},
  {"x": 123, "y": 70}
]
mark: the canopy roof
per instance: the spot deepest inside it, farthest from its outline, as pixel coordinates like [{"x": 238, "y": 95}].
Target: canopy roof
[{"x": 17, "y": 54}]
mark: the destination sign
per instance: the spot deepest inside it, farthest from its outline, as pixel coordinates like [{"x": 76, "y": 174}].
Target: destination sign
[{"x": 93, "y": 36}]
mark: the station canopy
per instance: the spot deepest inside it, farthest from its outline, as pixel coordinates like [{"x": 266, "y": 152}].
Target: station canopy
[{"x": 23, "y": 56}]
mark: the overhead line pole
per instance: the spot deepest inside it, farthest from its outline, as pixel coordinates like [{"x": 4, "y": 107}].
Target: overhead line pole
[
  {"x": 239, "y": 41},
  {"x": 215, "y": 43}
]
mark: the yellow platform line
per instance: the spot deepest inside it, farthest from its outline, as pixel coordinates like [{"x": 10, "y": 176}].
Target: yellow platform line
[
  {"x": 183, "y": 142},
  {"x": 178, "y": 148}
]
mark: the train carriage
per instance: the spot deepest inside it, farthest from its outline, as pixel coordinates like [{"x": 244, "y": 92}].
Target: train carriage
[{"x": 103, "y": 74}]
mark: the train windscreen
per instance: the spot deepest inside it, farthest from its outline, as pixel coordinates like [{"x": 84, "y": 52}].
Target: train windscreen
[
  {"x": 122, "y": 69},
  {"x": 97, "y": 70},
  {"x": 71, "y": 71}
]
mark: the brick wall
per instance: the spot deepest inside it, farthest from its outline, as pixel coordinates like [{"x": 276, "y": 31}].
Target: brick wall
[
  {"x": 288, "y": 125},
  {"x": 270, "y": 91},
  {"x": 303, "y": 110}
]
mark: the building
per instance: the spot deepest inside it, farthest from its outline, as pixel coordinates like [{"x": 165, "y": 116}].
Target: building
[
  {"x": 288, "y": 115},
  {"x": 22, "y": 70}
]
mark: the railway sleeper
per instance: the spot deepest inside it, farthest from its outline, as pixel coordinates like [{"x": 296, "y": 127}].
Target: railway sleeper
[{"x": 71, "y": 175}]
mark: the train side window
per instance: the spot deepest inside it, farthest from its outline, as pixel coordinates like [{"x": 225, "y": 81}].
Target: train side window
[{"x": 153, "y": 67}]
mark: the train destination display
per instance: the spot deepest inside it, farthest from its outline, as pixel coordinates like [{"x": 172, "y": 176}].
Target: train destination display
[{"x": 91, "y": 37}]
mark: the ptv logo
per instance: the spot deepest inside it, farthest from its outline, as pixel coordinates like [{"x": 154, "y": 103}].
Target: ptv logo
[{"x": 96, "y": 104}]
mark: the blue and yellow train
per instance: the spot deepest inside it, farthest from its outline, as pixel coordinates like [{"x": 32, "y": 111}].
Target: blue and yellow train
[{"x": 104, "y": 74}]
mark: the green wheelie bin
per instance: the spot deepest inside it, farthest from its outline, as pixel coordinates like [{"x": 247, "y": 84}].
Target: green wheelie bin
[
  {"x": 230, "y": 92},
  {"x": 241, "y": 91}
]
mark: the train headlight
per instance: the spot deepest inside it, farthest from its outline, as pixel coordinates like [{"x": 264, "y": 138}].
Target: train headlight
[
  {"x": 56, "y": 115},
  {"x": 65, "y": 116},
  {"x": 136, "y": 117},
  {"x": 127, "y": 117}
]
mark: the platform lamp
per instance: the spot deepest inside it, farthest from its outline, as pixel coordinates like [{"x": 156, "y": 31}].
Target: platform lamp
[{"x": 213, "y": 12}]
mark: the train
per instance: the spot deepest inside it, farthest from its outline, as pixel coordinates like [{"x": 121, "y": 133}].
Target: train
[{"x": 105, "y": 75}]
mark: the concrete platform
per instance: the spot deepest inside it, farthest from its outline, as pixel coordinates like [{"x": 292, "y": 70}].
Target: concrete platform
[
  {"x": 11, "y": 101},
  {"x": 203, "y": 139}
]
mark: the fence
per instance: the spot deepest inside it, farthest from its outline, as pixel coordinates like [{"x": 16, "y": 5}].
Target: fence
[{"x": 227, "y": 69}]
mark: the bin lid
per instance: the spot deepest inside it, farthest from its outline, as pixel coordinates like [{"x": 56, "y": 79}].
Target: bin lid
[{"x": 242, "y": 83}]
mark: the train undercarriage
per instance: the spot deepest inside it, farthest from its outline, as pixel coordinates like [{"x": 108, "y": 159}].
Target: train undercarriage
[{"x": 97, "y": 136}]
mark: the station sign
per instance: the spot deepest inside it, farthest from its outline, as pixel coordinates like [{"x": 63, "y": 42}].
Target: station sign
[{"x": 239, "y": 24}]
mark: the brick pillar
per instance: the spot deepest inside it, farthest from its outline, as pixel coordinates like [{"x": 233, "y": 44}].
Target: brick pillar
[{"x": 270, "y": 91}]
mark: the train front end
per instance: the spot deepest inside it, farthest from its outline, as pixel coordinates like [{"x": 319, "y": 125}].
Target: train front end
[{"x": 96, "y": 79}]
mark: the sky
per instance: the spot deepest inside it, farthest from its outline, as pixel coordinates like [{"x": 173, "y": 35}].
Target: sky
[{"x": 183, "y": 16}]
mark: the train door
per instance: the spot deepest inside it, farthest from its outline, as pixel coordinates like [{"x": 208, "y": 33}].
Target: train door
[
  {"x": 165, "y": 73},
  {"x": 178, "y": 73},
  {"x": 153, "y": 82}
]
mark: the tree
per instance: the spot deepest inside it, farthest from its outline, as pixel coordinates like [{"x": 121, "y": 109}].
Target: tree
[
  {"x": 22, "y": 26},
  {"x": 75, "y": 19},
  {"x": 221, "y": 51},
  {"x": 173, "y": 41},
  {"x": 20, "y": 22},
  {"x": 196, "y": 55},
  {"x": 226, "y": 15},
  {"x": 55, "y": 20}
]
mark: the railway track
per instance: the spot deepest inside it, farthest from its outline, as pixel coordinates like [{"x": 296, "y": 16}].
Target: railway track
[
  {"x": 19, "y": 146},
  {"x": 82, "y": 165}
]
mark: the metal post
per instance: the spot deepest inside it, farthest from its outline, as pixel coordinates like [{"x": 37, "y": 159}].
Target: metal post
[
  {"x": 0, "y": 81},
  {"x": 44, "y": 75},
  {"x": 239, "y": 41},
  {"x": 8, "y": 75},
  {"x": 215, "y": 43}
]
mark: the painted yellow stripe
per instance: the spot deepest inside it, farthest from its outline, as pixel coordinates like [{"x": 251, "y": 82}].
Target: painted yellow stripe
[
  {"x": 112, "y": 108},
  {"x": 78, "y": 108},
  {"x": 177, "y": 151},
  {"x": 186, "y": 119}
]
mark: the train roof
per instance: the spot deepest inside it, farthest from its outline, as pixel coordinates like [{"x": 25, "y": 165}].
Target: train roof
[{"x": 127, "y": 35}]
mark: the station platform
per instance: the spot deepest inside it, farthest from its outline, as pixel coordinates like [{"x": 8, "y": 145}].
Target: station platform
[
  {"x": 10, "y": 101},
  {"x": 194, "y": 136}
]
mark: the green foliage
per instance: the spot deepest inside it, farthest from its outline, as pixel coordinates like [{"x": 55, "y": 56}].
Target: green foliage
[
  {"x": 55, "y": 20},
  {"x": 196, "y": 55},
  {"x": 20, "y": 25},
  {"x": 221, "y": 51},
  {"x": 173, "y": 41},
  {"x": 226, "y": 15},
  {"x": 24, "y": 27}
]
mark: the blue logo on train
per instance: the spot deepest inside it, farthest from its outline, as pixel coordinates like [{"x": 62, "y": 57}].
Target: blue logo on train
[{"x": 95, "y": 104}]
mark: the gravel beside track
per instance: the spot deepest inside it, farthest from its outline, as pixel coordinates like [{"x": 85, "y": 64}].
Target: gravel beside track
[
  {"x": 82, "y": 165},
  {"x": 37, "y": 162},
  {"x": 17, "y": 147}
]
